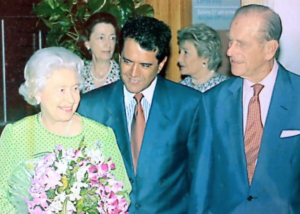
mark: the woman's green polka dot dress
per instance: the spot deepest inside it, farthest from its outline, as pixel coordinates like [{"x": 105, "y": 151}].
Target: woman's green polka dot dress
[{"x": 27, "y": 137}]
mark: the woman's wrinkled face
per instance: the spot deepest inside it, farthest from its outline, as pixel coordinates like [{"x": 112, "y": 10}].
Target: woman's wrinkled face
[
  {"x": 102, "y": 41},
  {"x": 60, "y": 96},
  {"x": 189, "y": 62}
]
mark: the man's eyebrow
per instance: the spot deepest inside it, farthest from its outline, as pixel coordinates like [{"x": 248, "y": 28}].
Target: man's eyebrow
[
  {"x": 146, "y": 64},
  {"x": 124, "y": 58}
]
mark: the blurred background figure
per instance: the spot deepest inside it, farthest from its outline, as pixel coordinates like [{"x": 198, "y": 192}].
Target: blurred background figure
[
  {"x": 200, "y": 56},
  {"x": 52, "y": 82},
  {"x": 99, "y": 36}
]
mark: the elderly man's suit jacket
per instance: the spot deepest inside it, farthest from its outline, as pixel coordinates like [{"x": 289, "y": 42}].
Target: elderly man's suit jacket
[
  {"x": 275, "y": 186},
  {"x": 172, "y": 140}
]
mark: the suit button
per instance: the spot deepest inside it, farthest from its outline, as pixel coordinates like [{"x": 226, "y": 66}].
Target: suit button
[
  {"x": 131, "y": 180},
  {"x": 138, "y": 206},
  {"x": 249, "y": 198}
]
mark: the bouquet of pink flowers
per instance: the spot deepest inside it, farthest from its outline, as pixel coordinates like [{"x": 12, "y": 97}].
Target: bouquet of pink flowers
[{"x": 75, "y": 181}]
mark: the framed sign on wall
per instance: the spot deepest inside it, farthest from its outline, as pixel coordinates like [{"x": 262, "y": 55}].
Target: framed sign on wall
[{"x": 214, "y": 13}]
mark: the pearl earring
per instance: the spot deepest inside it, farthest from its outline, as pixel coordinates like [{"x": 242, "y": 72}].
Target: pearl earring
[
  {"x": 203, "y": 64},
  {"x": 38, "y": 100}
]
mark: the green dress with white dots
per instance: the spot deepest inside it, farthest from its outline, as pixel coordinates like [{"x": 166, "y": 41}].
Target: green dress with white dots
[{"x": 25, "y": 138}]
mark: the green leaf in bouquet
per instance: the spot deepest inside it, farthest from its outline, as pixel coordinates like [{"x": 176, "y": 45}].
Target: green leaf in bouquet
[
  {"x": 19, "y": 184},
  {"x": 80, "y": 206},
  {"x": 103, "y": 180},
  {"x": 72, "y": 163},
  {"x": 38, "y": 156},
  {"x": 90, "y": 204},
  {"x": 51, "y": 193},
  {"x": 76, "y": 167},
  {"x": 86, "y": 178},
  {"x": 89, "y": 192},
  {"x": 82, "y": 144},
  {"x": 90, "y": 210},
  {"x": 121, "y": 193},
  {"x": 72, "y": 179}
]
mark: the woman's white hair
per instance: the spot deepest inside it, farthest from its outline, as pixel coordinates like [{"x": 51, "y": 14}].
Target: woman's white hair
[{"x": 40, "y": 67}]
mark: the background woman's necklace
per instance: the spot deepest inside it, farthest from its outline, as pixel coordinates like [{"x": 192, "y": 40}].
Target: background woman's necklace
[
  {"x": 66, "y": 130},
  {"x": 201, "y": 81},
  {"x": 104, "y": 78}
]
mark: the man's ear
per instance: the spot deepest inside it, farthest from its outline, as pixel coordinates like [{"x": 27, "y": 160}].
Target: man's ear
[
  {"x": 161, "y": 64},
  {"x": 271, "y": 48}
]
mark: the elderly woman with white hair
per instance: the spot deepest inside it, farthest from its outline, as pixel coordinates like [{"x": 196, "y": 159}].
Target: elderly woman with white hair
[{"x": 53, "y": 81}]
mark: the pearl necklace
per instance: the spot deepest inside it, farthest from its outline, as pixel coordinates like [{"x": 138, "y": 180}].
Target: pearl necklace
[
  {"x": 104, "y": 78},
  {"x": 67, "y": 129}
]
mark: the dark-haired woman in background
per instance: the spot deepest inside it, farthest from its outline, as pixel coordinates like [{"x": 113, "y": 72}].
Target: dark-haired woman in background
[
  {"x": 200, "y": 56},
  {"x": 99, "y": 37}
]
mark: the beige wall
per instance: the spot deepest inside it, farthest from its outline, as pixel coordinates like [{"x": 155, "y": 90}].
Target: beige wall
[{"x": 177, "y": 14}]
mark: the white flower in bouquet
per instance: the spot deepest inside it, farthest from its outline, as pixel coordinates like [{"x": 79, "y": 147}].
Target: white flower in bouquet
[{"x": 73, "y": 181}]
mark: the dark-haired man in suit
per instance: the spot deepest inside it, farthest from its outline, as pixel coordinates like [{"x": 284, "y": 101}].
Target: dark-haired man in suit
[{"x": 157, "y": 122}]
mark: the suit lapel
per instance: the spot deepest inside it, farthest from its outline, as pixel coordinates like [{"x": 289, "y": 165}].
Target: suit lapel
[
  {"x": 281, "y": 102},
  {"x": 159, "y": 112},
  {"x": 158, "y": 120},
  {"x": 233, "y": 110},
  {"x": 117, "y": 120},
  {"x": 279, "y": 115}
]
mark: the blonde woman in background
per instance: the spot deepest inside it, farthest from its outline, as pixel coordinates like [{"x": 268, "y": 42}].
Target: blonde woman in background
[{"x": 200, "y": 56}]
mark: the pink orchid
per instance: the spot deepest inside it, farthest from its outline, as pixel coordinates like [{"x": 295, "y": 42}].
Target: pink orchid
[
  {"x": 104, "y": 167},
  {"x": 37, "y": 210},
  {"x": 52, "y": 179},
  {"x": 112, "y": 166},
  {"x": 64, "y": 177},
  {"x": 59, "y": 147}
]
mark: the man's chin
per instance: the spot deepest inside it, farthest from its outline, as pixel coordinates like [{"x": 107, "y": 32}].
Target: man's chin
[{"x": 132, "y": 88}]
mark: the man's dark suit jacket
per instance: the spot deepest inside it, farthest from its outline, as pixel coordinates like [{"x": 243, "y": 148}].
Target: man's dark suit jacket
[
  {"x": 171, "y": 141},
  {"x": 275, "y": 186}
]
